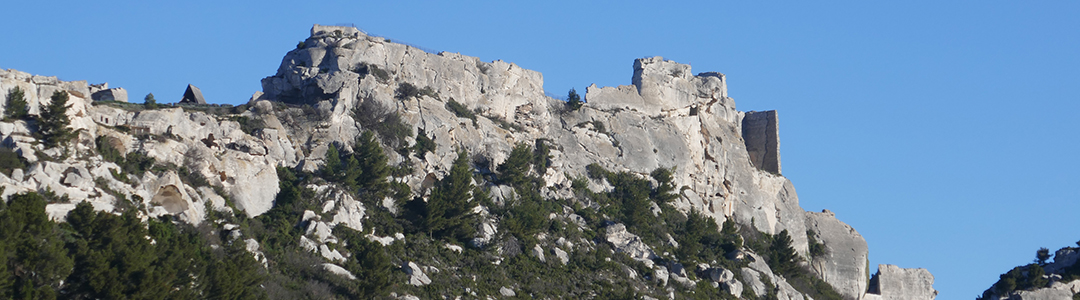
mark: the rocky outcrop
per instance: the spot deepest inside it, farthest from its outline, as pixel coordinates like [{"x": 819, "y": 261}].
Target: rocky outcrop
[
  {"x": 628, "y": 243},
  {"x": 1058, "y": 276},
  {"x": 113, "y": 94},
  {"x": 845, "y": 263},
  {"x": 726, "y": 163},
  {"x": 893, "y": 282}
]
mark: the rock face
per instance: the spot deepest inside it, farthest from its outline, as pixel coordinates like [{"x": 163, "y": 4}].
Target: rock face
[
  {"x": 892, "y": 282},
  {"x": 1060, "y": 284},
  {"x": 726, "y": 162},
  {"x": 113, "y": 94},
  {"x": 846, "y": 260}
]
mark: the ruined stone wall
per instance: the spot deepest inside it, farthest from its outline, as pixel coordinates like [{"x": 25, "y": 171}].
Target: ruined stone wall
[{"x": 762, "y": 138}]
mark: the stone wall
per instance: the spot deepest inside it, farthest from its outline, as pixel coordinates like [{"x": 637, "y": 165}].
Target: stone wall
[{"x": 761, "y": 135}]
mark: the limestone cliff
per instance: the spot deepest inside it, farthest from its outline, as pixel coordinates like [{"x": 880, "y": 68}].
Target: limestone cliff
[{"x": 726, "y": 163}]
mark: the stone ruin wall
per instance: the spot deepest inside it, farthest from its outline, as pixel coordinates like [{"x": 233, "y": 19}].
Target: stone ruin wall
[{"x": 762, "y": 138}]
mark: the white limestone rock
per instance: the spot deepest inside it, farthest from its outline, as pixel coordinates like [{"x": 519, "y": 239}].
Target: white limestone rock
[
  {"x": 563, "y": 257},
  {"x": 113, "y": 94},
  {"x": 893, "y": 282},
  {"x": 416, "y": 275},
  {"x": 628, "y": 243},
  {"x": 507, "y": 292},
  {"x": 846, "y": 259},
  {"x": 538, "y": 252},
  {"x": 338, "y": 270}
]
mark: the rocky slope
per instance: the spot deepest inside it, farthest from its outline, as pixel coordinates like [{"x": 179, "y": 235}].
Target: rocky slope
[
  {"x": 1042, "y": 280},
  {"x": 726, "y": 163}
]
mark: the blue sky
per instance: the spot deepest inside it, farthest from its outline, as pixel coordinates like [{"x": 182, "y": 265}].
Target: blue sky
[{"x": 945, "y": 133}]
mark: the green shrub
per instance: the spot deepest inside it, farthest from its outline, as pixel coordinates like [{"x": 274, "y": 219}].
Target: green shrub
[
  {"x": 664, "y": 190},
  {"x": 515, "y": 170},
  {"x": 423, "y": 144},
  {"x": 595, "y": 171},
  {"x": 459, "y": 110},
  {"x": 502, "y": 123},
  {"x": 406, "y": 90},
  {"x": 817, "y": 249},
  {"x": 10, "y": 160},
  {"x": 541, "y": 156},
  {"x": 105, "y": 148},
  {"x": 364, "y": 69},
  {"x": 249, "y": 125},
  {"x": 386, "y": 123}
]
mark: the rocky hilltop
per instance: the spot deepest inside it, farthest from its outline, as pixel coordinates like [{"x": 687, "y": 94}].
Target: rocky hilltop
[{"x": 224, "y": 167}]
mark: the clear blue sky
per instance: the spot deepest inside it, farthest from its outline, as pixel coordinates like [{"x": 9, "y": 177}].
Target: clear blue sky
[{"x": 946, "y": 134}]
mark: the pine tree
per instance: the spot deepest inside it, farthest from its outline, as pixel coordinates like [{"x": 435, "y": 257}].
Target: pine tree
[
  {"x": 449, "y": 213},
  {"x": 17, "y": 108},
  {"x": 663, "y": 192},
  {"x": 372, "y": 161},
  {"x": 53, "y": 121},
  {"x": 149, "y": 102},
  {"x": 332, "y": 169},
  {"x": 783, "y": 258},
  {"x": 1042, "y": 255},
  {"x": 237, "y": 276},
  {"x": 352, "y": 173},
  {"x": 370, "y": 263},
  {"x": 573, "y": 100},
  {"x": 515, "y": 169},
  {"x": 38, "y": 257}
]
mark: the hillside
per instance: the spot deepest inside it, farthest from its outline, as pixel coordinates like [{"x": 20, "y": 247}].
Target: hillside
[{"x": 371, "y": 169}]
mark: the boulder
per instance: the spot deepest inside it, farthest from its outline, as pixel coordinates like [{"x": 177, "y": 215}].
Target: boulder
[
  {"x": 893, "y": 282},
  {"x": 113, "y": 94},
  {"x": 416, "y": 275},
  {"x": 507, "y": 292},
  {"x": 338, "y": 270},
  {"x": 1063, "y": 258},
  {"x": 538, "y": 253},
  {"x": 629, "y": 243},
  {"x": 563, "y": 257}
]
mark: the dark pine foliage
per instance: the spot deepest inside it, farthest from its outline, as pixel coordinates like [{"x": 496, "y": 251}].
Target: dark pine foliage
[
  {"x": 53, "y": 121},
  {"x": 17, "y": 108}
]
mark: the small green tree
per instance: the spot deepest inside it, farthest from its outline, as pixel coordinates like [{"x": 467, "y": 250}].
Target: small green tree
[
  {"x": 449, "y": 211},
  {"x": 370, "y": 262},
  {"x": 372, "y": 167},
  {"x": 36, "y": 249},
  {"x": 515, "y": 170},
  {"x": 573, "y": 100},
  {"x": 53, "y": 121},
  {"x": 333, "y": 168},
  {"x": 664, "y": 190},
  {"x": 17, "y": 108},
  {"x": 782, "y": 256},
  {"x": 149, "y": 102},
  {"x": 1042, "y": 255}
]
